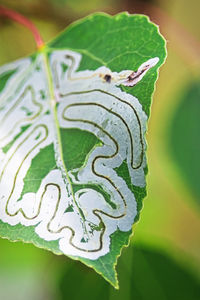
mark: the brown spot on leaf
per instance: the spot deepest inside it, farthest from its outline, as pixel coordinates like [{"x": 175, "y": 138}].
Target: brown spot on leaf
[{"x": 107, "y": 78}]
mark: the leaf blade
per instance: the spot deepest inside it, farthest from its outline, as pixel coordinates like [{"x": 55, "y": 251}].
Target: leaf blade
[{"x": 111, "y": 55}]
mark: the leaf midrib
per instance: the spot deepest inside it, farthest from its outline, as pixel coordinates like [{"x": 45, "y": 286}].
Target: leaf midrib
[{"x": 52, "y": 103}]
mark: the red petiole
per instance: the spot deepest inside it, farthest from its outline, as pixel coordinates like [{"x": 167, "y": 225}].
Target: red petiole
[{"x": 23, "y": 21}]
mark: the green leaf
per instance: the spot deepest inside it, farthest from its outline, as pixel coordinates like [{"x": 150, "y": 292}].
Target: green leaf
[
  {"x": 184, "y": 137},
  {"x": 145, "y": 273},
  {"x": 73, "y": 120},
  {"x": 148, "y": 273}
]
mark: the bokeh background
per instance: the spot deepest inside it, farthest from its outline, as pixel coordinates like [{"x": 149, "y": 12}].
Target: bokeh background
[{"x": 163, "y": 260}]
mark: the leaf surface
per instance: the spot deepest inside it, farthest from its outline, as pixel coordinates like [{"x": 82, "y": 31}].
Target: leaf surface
[
  {"x": 184, "y": 139},
  {"x": 145, "y": 273},
  {"x": 73, "y": 120}
]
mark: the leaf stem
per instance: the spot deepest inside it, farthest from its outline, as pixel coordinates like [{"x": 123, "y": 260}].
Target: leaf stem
[
  {"x": 52, "y": 100},
  {"x": 11, "y": 14}
]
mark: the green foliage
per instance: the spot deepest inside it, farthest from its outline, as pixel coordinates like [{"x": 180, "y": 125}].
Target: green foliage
[
  {"x": 53, "y": 155},
  {"x": 164, "y": 278},
  {"x": 4, "y": 78},
  {"x": 121, "y": 42},
  {"x": 145, "y": 273},
  {"x": 184, "y": 137}
]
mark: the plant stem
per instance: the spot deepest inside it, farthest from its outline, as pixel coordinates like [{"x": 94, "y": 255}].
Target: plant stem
[{"x": 23, "y": 21}]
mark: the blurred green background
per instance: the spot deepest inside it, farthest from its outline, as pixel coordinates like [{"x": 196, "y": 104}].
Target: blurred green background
[{"x": 163, "y": 261}]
